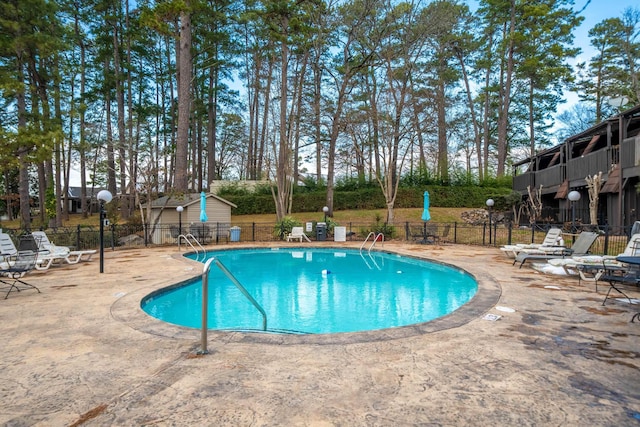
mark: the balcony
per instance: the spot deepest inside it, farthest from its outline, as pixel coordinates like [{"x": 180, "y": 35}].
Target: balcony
[
  {"x": 550, "y": 177},
  {"x": 630, "y": 153},
  {"x": 592, "y": 163}
]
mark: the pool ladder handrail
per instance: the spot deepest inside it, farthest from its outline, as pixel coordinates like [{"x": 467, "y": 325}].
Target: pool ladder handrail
[
  {"x": 375, "y": 239},
  {"x": 188, "y": 238},
  {"x": 205, "y": 298}
]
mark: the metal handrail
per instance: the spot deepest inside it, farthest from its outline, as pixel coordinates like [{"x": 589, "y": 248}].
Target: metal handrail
[
  {"x": 186, "y": 238},
  {"x": 371, "y": 233},
  {"x": 205, "y": 299},
  {"x": 375, "y": 239}
]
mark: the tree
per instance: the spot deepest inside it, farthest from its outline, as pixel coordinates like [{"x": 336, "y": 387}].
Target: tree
[
  {"x": 359, "y": 39},
  {"x": 615, "y": 69},
  {"x": 542, "y": 65}
]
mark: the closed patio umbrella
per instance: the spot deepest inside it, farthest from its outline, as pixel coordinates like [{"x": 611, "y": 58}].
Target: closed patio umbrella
[
  {"x": 426, "y": 216},
  {"x": 203, "y": 214},
  {"x": 203, "y": 207}
]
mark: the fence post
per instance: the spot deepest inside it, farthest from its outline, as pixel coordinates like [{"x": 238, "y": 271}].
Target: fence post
[
  {"x": 533, "y": 233},
  {"x": 484, "y": 232},
  {"x": 78, "y": 237},
  {"x": 113, "y": 233},
  {"x": 494, "y": 231},
  {"x": 253, "y": 231},
  {"x": 510, "y": 231},
  {"x": 455, "y": 232},
  {"x": 606, "y": 239}
]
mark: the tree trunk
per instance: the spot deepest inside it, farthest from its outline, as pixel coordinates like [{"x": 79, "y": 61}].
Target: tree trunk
[
  {"x": 181, "y": 184},
  {"x": 505, "y": 96}
]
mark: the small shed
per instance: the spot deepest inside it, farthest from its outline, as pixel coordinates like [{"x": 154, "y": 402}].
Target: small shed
[{"x": 165, "y": 208}]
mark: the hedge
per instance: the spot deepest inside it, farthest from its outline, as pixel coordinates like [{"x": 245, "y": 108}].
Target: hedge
[{"x": 369, "y": 198}]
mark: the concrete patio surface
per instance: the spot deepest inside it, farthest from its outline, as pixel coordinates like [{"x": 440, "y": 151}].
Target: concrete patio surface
[{"x": 82, "y": 352}]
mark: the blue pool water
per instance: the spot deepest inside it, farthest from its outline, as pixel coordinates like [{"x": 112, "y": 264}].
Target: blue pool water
[{"x": 317, "y": 291}]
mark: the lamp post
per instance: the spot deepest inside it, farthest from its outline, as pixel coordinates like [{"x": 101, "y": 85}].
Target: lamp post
[
  {"x": 490, "y": 204},
  {"x": 325, "y": 210},
  {"x": 179, "y": 209},
  {"x": 104, "y": 196},
  {"x": 573, "y": 197}
]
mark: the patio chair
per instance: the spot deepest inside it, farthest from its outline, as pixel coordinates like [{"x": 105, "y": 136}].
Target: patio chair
[
  {"x": 201, "y": 232},
  {"x": 626, "y": 274},
  {"x": 11, "y": 274},
  {"x": 426, "y": 234},
  {"x": 297, "y": 233},
  {"x": 580, "y": 247},
  {"x": 220, "y": 232},
  {"x": 551, "y": 240},
  {"x": 444, "y": 237},
  {"x": 434, "y": 236}
]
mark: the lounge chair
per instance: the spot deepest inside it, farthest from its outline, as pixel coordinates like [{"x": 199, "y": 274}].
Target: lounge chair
[
  {"x": 552, "y": 240},
  {"x": 580, "y": 247},
  {"x": 49, "y": 253},
  {"x": 12, "y": 273},
  {"x": 591, "y": 267},
  {"x": 7, "y": 247},
  {"x": 297, "y": 233}
]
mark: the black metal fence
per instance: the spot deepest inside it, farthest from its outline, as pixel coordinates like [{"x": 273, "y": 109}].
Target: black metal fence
[{"x": 611, "y": 241}]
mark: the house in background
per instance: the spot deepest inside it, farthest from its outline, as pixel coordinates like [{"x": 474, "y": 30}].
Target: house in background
[
  {"x": 74, "y": 199},
  {"x": 170, "y": 220},
  {"x": 611, "y": 147}
]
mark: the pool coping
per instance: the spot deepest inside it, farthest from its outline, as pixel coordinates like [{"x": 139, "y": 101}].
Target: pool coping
[{"x": 126, "y": 309}]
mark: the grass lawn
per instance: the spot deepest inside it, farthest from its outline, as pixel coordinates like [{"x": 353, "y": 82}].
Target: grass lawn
[
  {"x": 363, "y": 216},
  {"x": 438, "y": 215}
]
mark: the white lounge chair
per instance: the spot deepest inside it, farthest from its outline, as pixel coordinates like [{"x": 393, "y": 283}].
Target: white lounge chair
[
  {"x": 591, "y": 267},
  {"x": 7, "y": 247},
  {"x": 297, "y": 233},
  {"x": 50, "y": 253},
  {"x": 580, "y": 247},
  {"x": 552, "y": 240}
]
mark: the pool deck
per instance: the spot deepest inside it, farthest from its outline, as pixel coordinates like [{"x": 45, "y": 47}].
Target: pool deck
[{"x": 83, "y": 353}]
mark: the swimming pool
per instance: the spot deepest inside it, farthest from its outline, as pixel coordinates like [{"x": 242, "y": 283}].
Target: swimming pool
[{"x": 317, "y": 291}]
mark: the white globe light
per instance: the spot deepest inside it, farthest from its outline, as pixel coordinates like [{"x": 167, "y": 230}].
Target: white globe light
[
  {"x": 105, "y": 196},
  {"x": 179, "y": 208},
  {"x": 490, "y": 203},
  {"x": 574, "y": 196}
]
